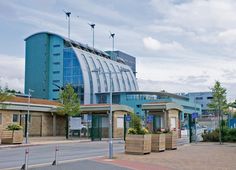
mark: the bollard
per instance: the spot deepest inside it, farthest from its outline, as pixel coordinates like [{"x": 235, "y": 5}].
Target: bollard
[
  {"x": 55, "y": 162},
  {"x": 25, "y": 165}
]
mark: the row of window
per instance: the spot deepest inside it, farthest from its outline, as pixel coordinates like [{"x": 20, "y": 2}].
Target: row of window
[
  {"x": 15, "y": 118},
  {"x": 201, "y": 98},
  {"x": 144, "y": 97}
]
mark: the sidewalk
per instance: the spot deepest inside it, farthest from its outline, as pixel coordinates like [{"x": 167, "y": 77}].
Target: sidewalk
[
  {"x": 35, "y": 141},
  {"x": 202, "y": 156}
]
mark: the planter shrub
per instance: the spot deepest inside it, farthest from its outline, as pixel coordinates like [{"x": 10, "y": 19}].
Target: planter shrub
[
  {"x": 12, "y": 135},
  {"x": 138, "y": 144},
  {"x": 158, "y": 142},
  {"x": 138, "y": 141},
  {"x": 171, "y": 140}
]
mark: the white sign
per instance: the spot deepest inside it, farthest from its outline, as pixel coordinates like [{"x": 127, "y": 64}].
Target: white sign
[
  {"x": 75, "y": 123},
  {"x": 172, "y": 123},
  {"x": 120, "y": 122}
]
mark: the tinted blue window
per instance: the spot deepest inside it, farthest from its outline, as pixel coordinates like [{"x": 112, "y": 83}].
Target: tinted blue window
[{"x": 72, "y": 72}]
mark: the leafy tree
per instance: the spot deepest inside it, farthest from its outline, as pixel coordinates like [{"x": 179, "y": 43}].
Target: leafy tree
[
  {"x": 70, "y": 105},
  {"x": 4, "y": 95},
  {"x": 219, "y": 103}
]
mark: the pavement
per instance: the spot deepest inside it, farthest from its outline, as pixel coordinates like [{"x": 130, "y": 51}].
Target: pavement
[
  {"x": 36, "y": 141},
  {"x": 200, "y": 156}
]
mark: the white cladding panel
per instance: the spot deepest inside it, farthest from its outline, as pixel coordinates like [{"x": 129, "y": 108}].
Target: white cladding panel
[{"x": 95, "y": 82}]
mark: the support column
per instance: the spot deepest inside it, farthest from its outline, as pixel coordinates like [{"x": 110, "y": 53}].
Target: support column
[
  {"x": 165, "y": 120},
  {"x": 54, "y": 125}
]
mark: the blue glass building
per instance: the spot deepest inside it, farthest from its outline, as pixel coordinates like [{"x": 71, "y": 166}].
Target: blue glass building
[{"x": 53, "y": 61}]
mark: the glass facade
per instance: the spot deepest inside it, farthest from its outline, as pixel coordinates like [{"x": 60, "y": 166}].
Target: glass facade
[
  {"x": 72, "y": 72},
  {"x": 144, "y": 97}
]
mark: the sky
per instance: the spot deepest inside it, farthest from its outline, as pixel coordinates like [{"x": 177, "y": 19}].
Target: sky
[{"x": 179, "y": 45}]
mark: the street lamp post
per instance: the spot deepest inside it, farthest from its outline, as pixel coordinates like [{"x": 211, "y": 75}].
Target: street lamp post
[
  {"x": 195, "y": 121},
  {"x": 92, "y": 27},
  {"x": 27, "y": 119},
  {"x": 110, "y": 103},
  {"x": 68, "y": 16},
  {"x": 110, "y": 121}
]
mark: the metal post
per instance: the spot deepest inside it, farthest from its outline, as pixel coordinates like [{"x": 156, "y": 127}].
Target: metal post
[
  {"x": 93, "y": 36},
  {"x": 69, "y": 26},
  {"x": 27, "y": 119},
  {"x": 55, "y": 162},
  {"x": 68, "y": 15},
  {"x": 25, "y": 165},
  {"x": 195, "y": 121},
  {"x": 110, "y": 122},
  {"x": 220, "y": 128}
]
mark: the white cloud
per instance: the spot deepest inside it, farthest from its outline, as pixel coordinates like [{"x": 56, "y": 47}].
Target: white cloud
[
  {"x": 228, "y": 36},
  {"x": 154, "y": 44},
  {"x": 12, "y": 72}
]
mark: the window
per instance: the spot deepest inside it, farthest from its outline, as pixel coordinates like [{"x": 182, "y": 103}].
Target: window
[
  {"x": 56, "y": 72},
  {"x": 56, "y": 81},
  {"x": 198, "y": 98},
  {"x": 0, "y": 118},
  {"x": 56, "y": 45},
  {"x": 54, "y": 90},
  {"x": 56, "y": 54},
  {"x": 56, "y": 63},
  {"x": 210, "y": 98},
  {"x": 15, "y": 118}
]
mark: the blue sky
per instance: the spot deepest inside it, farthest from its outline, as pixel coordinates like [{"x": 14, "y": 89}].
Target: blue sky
[{"x": 179, "y": 45}]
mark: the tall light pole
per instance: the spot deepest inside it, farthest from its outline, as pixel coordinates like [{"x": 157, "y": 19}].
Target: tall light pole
[
  {"x": 27, "y": 119},
  {"x": 110, "y": 102},
  {"x": 92, "y": 27},
  {"x": 68, "y": 16},
  {"x": 195, "y": 120},
  {"x": 112, "y": 35}
]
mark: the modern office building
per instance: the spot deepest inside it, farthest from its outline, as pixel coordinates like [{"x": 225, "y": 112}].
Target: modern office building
[
  {"x": 52, "y": 61},
  {"x": 123, "y": 57},
  {"x": 202, "y": 98}
]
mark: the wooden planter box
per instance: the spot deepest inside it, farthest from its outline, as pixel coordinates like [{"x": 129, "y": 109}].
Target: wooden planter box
[
  {"x": 171, "y": 139},
  {"x": 12, "y": 137},
  {"x": 138, "y": 144},
  {"x": 158, "y": 142}
]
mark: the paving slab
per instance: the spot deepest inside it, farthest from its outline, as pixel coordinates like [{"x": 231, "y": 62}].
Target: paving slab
[{"x": 200, "y": 156}]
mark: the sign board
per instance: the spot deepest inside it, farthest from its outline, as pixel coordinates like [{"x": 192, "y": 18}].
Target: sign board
[
  {"x": 128, "y": 118},
  {"x": 194, "y": 115},
  {"x": 120, "y": 122},
  {"x": 75, "y": 123},
  {"x": 149, "y": 118}
]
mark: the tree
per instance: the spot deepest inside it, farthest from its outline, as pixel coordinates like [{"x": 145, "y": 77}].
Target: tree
[
  {"x": 70, "y": 105},
  {"x": 219, "y": 104},
  {"x": 4, "y": 95}
]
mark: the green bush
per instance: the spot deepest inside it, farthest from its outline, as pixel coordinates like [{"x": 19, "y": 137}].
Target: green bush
[
  {"x": 135, "y": 122},
  {"x": 136, "y": 126},
  {"x": 14, "y": 127},
  {"x": 228, "y": 135},
  {"x": 132, "y": 131}
]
